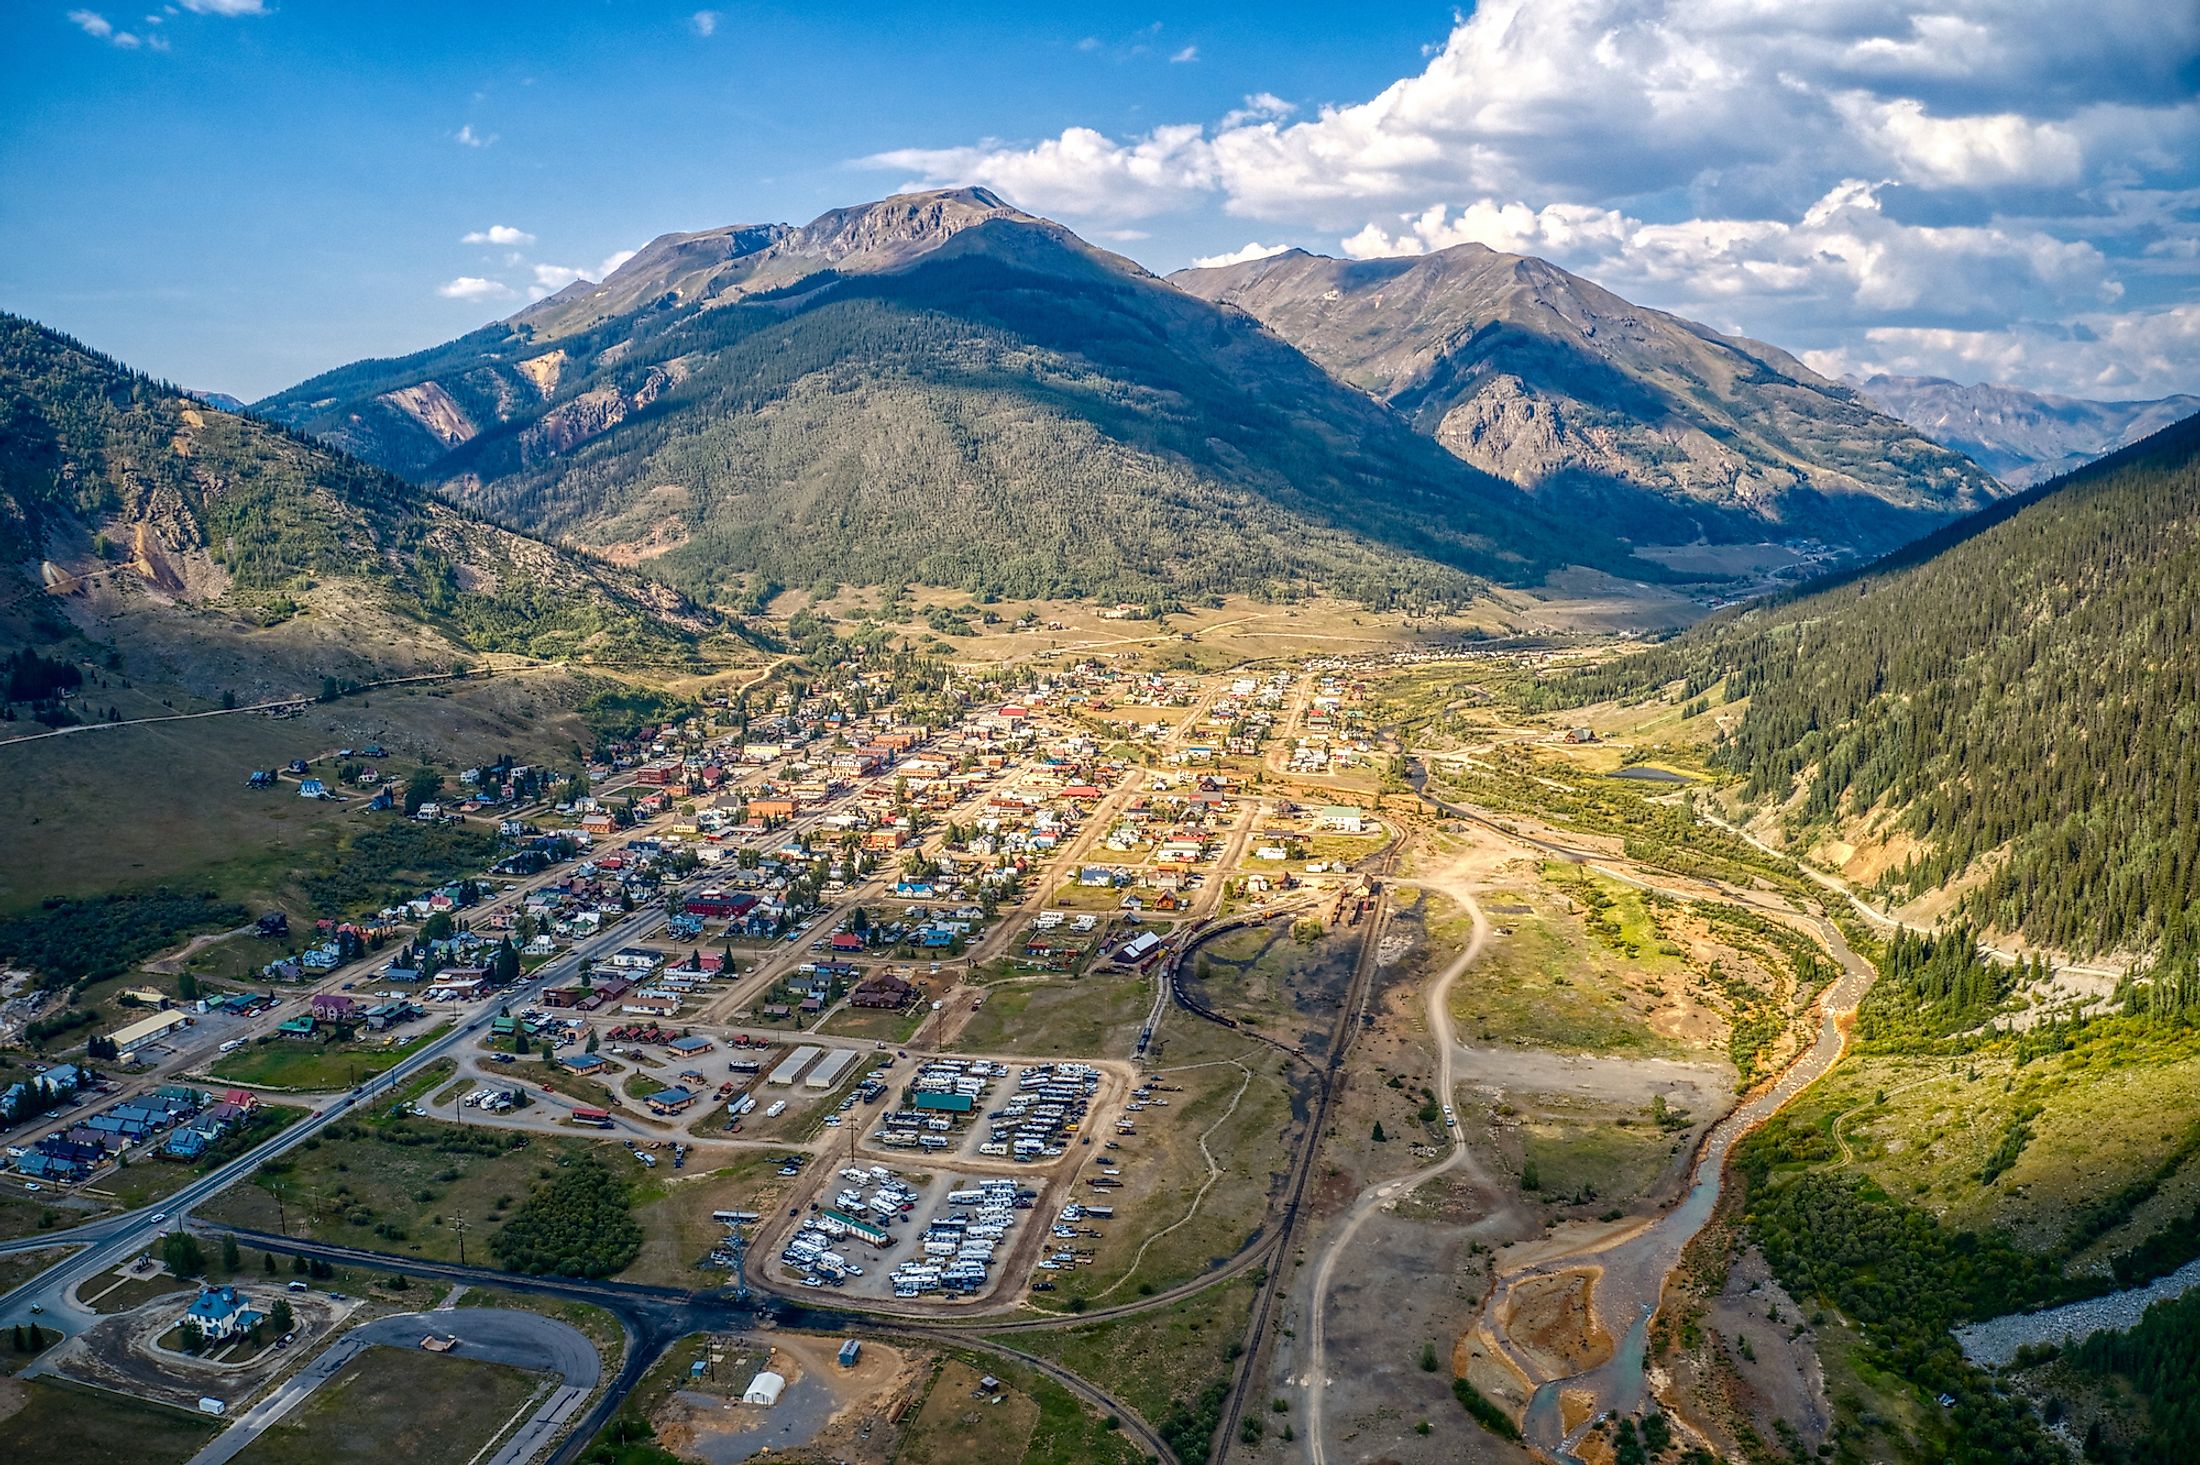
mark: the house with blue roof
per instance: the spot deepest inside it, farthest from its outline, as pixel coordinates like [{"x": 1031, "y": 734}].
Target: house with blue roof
[
  {"x": 219, "y": 1313},
  {"x": 184, "y": 1144}
]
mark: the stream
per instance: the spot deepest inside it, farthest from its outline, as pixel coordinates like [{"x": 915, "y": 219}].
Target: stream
[{"x": 1635, "y": 1266}]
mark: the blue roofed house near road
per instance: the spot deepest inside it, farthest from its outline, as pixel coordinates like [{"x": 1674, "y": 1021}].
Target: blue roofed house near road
[{"x": 222, "y": 1312}]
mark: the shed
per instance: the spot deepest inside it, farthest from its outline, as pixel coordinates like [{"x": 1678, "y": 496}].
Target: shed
[
  {"x": 850, "y": 1351},
  {"x": 764, "y": 1389}
]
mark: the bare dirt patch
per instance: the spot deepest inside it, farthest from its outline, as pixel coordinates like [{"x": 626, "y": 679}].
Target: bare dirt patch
[{"x": 1552, "y": 1320}]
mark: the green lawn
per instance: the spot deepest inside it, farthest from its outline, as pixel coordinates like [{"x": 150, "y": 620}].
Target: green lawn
[
  {"x": 66, "y": 1424},
  {"x": 302, "y": 1065},
  {"x": 399, "y": 1404}
]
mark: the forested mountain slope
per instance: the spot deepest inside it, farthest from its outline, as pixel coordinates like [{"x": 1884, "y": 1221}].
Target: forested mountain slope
[
  {"x": 935, "y": 388},
  {"x": 120, "y": 489},
  {"x": 1663, "y": 428},
  {"x": 2021, "y": 698}
]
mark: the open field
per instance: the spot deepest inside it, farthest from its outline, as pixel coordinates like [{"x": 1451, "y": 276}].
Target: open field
[
  {"x": 207, "y": 828},
  {"x": 1178, "y": 1212},
  {"x": 1166, "y": 1364},
  {"x": 20, "y": 1267},
  {"x": 24, "y": 1214},
  {"x": 305, "y": 1066},
  {"x": 64, "y": 1424},
  {"x": 1544, "y": 981},
  {"x": 399, "y": 1404},
  {"x": 398, "y": 1185},
  {"x": 1093, "y": 1016},
  {"x": 674, "y": 1212},
  {"x": 957, "y": 1425},
  {"x": 1062, "y": 1431},
  {"x": 878, "y": 1025},
  {"x": 1277, "y": 983}
]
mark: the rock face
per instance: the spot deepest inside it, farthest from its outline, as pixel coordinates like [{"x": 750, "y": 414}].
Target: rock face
[
  {"x": 197, "y": 525},
  {"x": 1665, "y": 428},
  {"x": 2022, "y": 437}
]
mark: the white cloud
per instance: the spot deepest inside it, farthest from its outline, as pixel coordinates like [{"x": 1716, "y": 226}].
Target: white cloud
[
  {"x": 1080, "y": 172},
  {"x": 1258, "y": 107},
  {"x": 225, "y": 7},
  {"x": 549, "y": 279},
  {"x": 704, "y": 23},
  {"x": 503, "y": 234},
  {"x": 1964, "y": 152},
  {"x": 1808, "y": 171},
  {"x": 473, "y": 287},
  {"x": 467, "y": 137},
  {"x": 1737, "y": 101},
  {"x": 1241, "y": 255},
  {"x": 2135, "y": 354},
  {"x": 1511, "y": 228},
  {"x": 1189, "y": 53},
  {"x": 1844, "y": 261},
  {"x": 100, "y": 28}
]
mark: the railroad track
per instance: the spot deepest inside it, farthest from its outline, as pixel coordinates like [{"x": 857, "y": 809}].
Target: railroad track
[{"x": 1350, "y": 1017}]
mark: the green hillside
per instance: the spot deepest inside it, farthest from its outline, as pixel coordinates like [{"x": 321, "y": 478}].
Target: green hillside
[
  {"x": 117, "y": 483},
  {"x": 2022, "y": 693},
  {"x": 937, "y": 389}
]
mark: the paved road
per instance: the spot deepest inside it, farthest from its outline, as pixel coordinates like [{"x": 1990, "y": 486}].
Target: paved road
[
  {"x": 112, "y": 1240},
  {"x": 656, "y": 1317},
  {"x": 492, "y": 1335}
]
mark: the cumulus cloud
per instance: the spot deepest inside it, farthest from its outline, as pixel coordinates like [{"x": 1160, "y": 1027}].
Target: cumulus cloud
[
  {"x": 1852, "y": 165},
  {"x": 1189, "y": 53},
  {"x": 1081, "y": 172},
  {"x": 225, "y": 7},
  {"x": 704, "y": 23},
  {"x": 2131, "y": 355},
  {"x": 466, "y": 137},
  {"x": 1243, "y": 254},
  {"x": 503, "y": 234},
  {"x": 473, "y": 287},
  {"x": 1844, "y": 261},
  {"x": 549, "y": 279},
  {"x": 1258, "y": 107}
]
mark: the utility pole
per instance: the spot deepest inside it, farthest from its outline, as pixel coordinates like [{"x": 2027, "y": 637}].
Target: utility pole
[
  {"x": 282, "y": 1220},
  {"x": 458, "y": 1224}
]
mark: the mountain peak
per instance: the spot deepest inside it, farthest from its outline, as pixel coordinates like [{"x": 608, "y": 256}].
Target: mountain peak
[{"x": 1668, "y": 428}]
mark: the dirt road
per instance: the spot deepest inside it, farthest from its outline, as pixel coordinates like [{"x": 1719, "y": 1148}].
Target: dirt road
[{"x": 1386, "y": 1193}]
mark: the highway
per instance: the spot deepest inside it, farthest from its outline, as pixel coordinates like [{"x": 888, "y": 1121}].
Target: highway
[{"x": 113, "y": 1240}]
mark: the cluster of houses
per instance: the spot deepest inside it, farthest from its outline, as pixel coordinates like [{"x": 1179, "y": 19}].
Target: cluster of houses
[
  {"x": 1336, "y": 734},
  {"x": 177, "y": 1123}
]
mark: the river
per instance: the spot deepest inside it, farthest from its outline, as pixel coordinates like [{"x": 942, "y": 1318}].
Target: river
[{"x": 1635, "y": 1266}]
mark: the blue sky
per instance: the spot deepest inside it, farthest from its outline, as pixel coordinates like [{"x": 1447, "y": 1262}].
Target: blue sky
[{"x": 238, "y": 193}]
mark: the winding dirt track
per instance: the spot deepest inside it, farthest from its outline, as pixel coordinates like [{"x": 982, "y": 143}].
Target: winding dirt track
[{"x": 1386, "y": 1192}]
